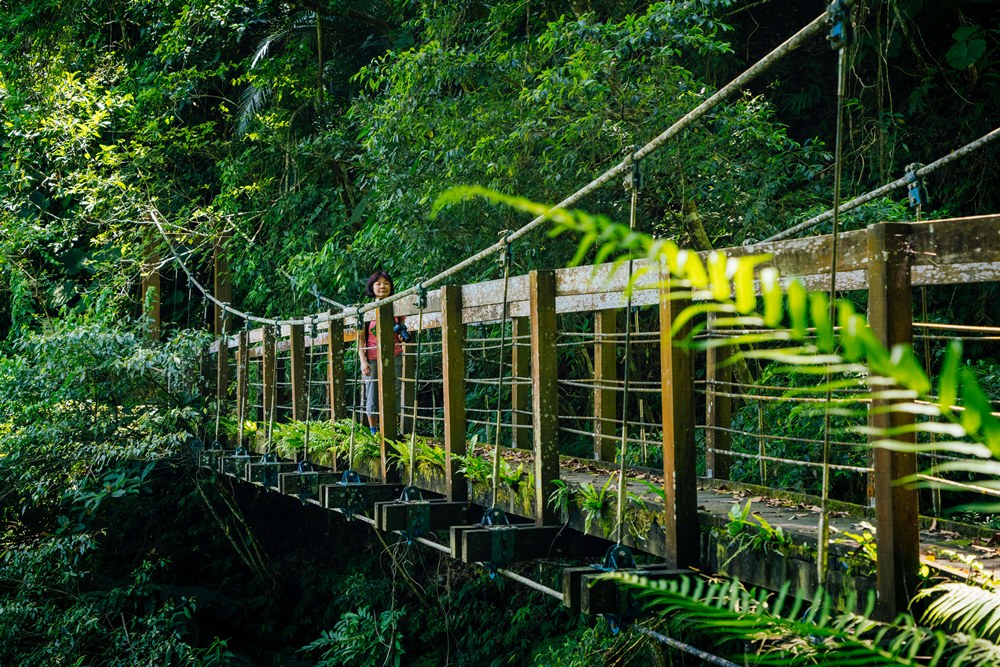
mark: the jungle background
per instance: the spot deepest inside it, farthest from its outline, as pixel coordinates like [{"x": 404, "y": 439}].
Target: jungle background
[{"x": 310, "y": 140}]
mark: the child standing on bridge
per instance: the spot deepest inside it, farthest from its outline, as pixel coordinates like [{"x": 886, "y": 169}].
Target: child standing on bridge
[{"x": 379, "y": 287}]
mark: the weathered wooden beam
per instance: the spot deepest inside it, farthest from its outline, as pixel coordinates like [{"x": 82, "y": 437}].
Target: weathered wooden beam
[
  {"x": 503, "y": 545},
  {"x": 267, "y": 474},
  {"x": 335, "y": 369},
  {"x": 388, "y": 419},
  {"x": 358, "y": 498},
  {"x": 520, "y": 393},
  {"x": 305, "y": 485},
  {"x": 453, "y": 368},
  {"x": 890, "y": 315},
  {"x": 417, "y": 517},
  {"x": 605, "y": 376},
  {"x": 718, "y": 409},
  {"x": 544, "y": 391},
  {"x": 298, "y": 371},
  {"x": 234, "y": 466},
  {"x": 599, "y": 594},
  {"x": 679, "y": 467}
]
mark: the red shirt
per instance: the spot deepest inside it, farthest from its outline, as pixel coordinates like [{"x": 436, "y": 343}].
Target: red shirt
[{"x": 371, "y": 340}]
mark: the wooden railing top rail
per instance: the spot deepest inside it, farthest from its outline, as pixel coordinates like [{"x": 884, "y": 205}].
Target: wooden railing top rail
[{"x": 943, "y": 252}]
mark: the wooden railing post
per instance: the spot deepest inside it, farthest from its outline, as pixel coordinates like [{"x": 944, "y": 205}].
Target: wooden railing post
[
  {"x": 299, "y": 373},
  {"x": 453, "y": 368},
  {"x": 718, "y": 409},
  {"x": 335, "y": 369},
  {"x": 242, "y": 369},
  {"x": 544, "y": 394},
  {"x": 679, "y": 470},
  {"x": 388, "y": 419},
  {"x": 520, "y": 394},
  {"x": 890, "y": 315},
  {"x": 605, "y": 394}
]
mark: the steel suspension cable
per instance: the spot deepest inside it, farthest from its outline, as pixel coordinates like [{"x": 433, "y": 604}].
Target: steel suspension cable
[
  {"x": 903, "y": 182},
  {"x": 724, "y": 93},
  {"x": 421, "y": 304},
  {"x": 631, "y": 184},
  {"x": 359, "y": 336},
  {"x": 309, "y": 367},
  {"x": 840, "y": 11},
  {"x": 505, "y": 260}
]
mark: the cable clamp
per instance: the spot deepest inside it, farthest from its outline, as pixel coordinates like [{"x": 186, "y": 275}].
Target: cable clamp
[
  {"x": 225, "y": 311},
  {"x": 506, "y": 257},
  {"x": 247, "y": 323},
  {"x": 315, "y": 292},
  {"x": 359, "y": 318},
  {"x": 633, "y": 177},
  {"x": 838, "y": 15},
  {"x": 421, "y": 294},
  {"x": 915, "y": 189}
]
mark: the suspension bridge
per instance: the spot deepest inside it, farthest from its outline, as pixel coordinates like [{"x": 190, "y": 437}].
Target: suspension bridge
[{"x": 660, "y": 433}]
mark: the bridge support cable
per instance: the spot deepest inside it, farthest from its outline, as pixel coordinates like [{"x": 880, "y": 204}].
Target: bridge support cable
[
  {"x": 840, "y": 38},
  {"x": 723, "y": 94},
  {"x": 903, "y": 182},
  {"x": 505, "y": 259},
  {"x": 632, "y": 184}
]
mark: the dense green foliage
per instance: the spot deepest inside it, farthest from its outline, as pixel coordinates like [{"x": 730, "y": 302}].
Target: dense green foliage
[{"x": 308, "y": 141}]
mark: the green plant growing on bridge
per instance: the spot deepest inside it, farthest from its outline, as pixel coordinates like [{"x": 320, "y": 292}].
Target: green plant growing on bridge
[
  {"x": 594, "y": 502},
  {"x": 756, "y": 534},
  {"x": 865, "y": 554}
]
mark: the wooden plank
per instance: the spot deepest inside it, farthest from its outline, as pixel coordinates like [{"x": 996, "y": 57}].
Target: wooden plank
[
  {"x": 335, "y": 370},
  {"x": 358, "y": 497},
  {"x": 297, "y": 359},
  {"x": 679, "y": 470},
  {"x": 944, "y": 252},
  {"x": 571, "y": 581},
  {"x": 520, "y": 393},
  {"x": 544, "y": 391},
  {"x": 266, "y": 474},
  {"x": 453, "y": 369},
  {"x": 601, "y": 595},
  {"x": 269, "y": 375},
  {"x": 434, "y": 515},
  {"x": 306, "y": 484},
  {"x": 503, "y": 545},
  {"x": 890, "y": 315},
  {"x": 718, "y": 409},
  {"x": 605, "y": 373},
  {"x": 388, "y": 419}
]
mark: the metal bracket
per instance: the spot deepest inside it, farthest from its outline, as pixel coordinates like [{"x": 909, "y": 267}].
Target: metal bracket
[
  {"x": 838, "y": 15},
  {"x": 915, "y": 190}
]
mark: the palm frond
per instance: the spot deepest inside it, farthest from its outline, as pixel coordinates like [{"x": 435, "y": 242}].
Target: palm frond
[{"x": 964, "y": 608}]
